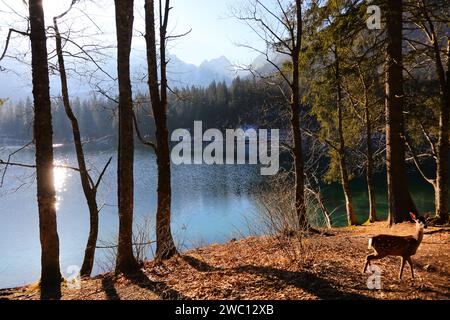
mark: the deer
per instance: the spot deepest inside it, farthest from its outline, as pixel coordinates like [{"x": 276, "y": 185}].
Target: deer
[{"x": 404, "y": 246}]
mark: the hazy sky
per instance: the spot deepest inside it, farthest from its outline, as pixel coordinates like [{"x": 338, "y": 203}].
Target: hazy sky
[
  {"x": 214, "y": 33},
  {"x": 213, "y": 30}
]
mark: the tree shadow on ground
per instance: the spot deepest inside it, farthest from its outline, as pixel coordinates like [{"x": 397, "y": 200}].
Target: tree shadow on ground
[
  {"x": 320, "y": 287},
  {"x": 433, "y": 269},
  {"x": 161, "y": 289},
  {"x": 444, "y": 230},
  {"x": 308, "y": 281},
  {"x": 199, "y": 265},
  {"x": 108, "y": 286}
]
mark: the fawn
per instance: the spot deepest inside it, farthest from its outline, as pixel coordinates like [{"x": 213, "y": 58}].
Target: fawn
[{"x": 403, "y": 246}]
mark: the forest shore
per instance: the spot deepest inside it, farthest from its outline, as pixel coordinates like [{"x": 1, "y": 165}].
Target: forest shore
[{"x": 328, "y": 267}]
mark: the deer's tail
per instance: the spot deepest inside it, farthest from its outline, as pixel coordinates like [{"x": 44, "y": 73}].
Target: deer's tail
[{"x": 370, "y": 243}]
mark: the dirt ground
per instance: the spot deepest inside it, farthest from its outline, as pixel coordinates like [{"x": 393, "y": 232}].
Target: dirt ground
[{"x": 328, "y": 267}]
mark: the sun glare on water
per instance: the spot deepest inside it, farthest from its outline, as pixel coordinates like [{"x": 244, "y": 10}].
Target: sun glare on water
[{"x": 60, "y": 176}]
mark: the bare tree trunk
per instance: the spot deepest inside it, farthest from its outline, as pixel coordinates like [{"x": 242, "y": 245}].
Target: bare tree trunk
[
  {"x": 126, "y": 261},
  {"x": 441, "y": 184},
  {"x": 165, "y": 247},
  {"x": 442, "y": 178},
  {"x": 399, "y": 198},
  {"x": 288, "y": 41},
  {"x": 89, "y": 253},
  {"x": 295, "y": 124},
  {"x": 46, "y": 195},
  {"x": 298, "y": 165},
  {"x": 351, "y": 218},
  {"x": 89, "y": 190},
  {"x": 369, "y": 169}
]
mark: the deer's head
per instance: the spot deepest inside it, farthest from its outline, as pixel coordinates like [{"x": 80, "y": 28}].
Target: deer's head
[{"x": 419, "y": 220}]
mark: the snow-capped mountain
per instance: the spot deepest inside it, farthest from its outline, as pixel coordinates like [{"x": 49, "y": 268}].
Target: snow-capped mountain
[
  {"x": 180, "y": 74},
  {"x": 264, "y": 67},
  {"x": 183, "y": 74}
]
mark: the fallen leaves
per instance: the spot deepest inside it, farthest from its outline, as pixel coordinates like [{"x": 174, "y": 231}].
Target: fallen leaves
[{"x": 261, "y": 268}]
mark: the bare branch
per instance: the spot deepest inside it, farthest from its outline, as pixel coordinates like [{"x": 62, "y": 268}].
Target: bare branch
[
  {"x": 138, "y": 133},
  {"x": 176, "y": 36},
  {"x": 430, "y": 141},
  {"x": 33, "y": 166},
  {"x": 100, "y": 177},
  {"x": 9, "y": 159},
  {"x": 417, "y": 163},
  {"x": 8, "y": 38}
]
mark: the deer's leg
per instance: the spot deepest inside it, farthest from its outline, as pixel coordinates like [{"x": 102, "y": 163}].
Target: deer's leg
[
  {"x": 401, "y": 267},
  {"x": 411, "y": 266},
  {"x": 366, "y": 264},
  {"x": 369, "y": 259}
]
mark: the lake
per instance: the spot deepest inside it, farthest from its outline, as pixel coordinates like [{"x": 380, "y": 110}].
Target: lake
[{"x": 210, "y": 204}]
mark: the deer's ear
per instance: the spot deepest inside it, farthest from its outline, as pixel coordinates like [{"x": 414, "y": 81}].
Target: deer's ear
[{"x": 413, "y": 216}]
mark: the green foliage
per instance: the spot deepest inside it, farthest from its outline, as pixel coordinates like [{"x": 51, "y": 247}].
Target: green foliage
[{"x": 338, "y": 28}]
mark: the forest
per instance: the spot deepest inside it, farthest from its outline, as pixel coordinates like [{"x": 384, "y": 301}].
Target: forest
[
  {"x": 217, "y": 106},
  {"x": 360, "y": 91}
]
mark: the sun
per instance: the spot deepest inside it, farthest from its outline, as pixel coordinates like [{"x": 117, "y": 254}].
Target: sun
[{"x": 53, "y": 8}]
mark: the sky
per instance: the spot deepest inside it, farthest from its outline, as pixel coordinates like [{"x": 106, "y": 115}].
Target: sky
[{"x": 214, "y": 32}]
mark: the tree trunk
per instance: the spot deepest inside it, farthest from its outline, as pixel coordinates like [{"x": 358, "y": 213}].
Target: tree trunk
[
  {"x": 399, "y": 198},
  {"x": 300, "y": 206},
  {"x": 298, "y": 164},
  {"x": 89, "y": 191},
  {"x": 165, "y": 247},
  {"x": 126, "y": 262},
  {"x": 89, "y": 253},
  {"x": 351, "y": 218},
  {"x": 369, "y": 169},
  {"x": 442, "y": 178},
  {"x": 441, "y": 184},
  {"x": 46, "y": 195}
]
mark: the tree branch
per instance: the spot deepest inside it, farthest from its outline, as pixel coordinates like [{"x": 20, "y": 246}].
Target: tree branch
[
  {"x": 100, "y": 177},
  {"x": 138, "y": 133},
  {"x": 418, "y": 166},
  {"x": 8, "y": 38}
]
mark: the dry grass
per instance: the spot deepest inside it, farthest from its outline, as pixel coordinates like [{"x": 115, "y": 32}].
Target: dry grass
[{"x": 256, "y": 268}]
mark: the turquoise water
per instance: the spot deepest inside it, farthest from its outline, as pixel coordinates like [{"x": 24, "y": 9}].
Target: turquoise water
[{"x": 421, "y": 191}]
